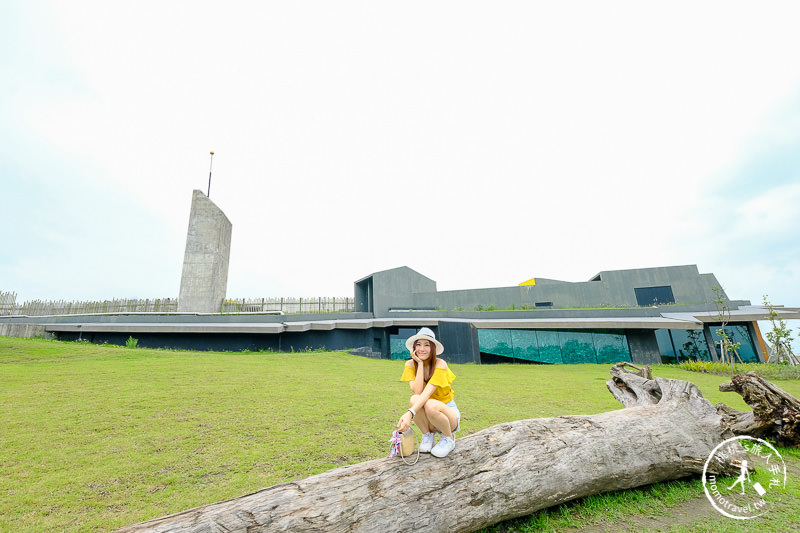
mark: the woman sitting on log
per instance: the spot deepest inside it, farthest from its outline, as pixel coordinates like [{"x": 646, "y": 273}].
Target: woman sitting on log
[{"x": 431, "y": 406}]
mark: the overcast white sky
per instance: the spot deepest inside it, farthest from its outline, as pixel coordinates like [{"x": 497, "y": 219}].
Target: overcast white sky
[{"x": 479, "y": 143}]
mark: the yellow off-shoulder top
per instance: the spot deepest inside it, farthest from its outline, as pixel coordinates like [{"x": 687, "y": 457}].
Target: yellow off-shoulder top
[{"x": 442, "y": 378}]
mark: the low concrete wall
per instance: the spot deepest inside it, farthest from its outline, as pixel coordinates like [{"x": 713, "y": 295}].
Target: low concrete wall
[
  {"x": 22, "y": 330},
  {"x": 159, "y": 318}
]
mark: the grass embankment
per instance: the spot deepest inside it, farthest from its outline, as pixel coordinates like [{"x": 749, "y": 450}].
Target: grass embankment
[
  {"x": 96, "y": 437},
  {"x": 771, "y": 372}
]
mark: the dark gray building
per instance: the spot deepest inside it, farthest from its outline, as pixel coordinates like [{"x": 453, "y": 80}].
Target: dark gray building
[
  {"x": 402, "y": 289},
  {"x": 648, "y": 315}
]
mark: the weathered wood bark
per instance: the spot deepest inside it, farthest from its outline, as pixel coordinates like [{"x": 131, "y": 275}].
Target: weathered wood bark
[
  {"x": 775, "y": 414},
  {"x": 666, "y": 431}
]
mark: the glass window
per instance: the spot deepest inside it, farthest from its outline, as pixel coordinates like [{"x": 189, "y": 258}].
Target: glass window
[
  {"x": 397, "y": 349},
  {"x": 525, "y": 344},
  {"x": 611, "y": 347},
  {"x": 549, "y": 347},
  {"x": 647, "y": 296},
  {"x": 577, "y": 347},
  {"x": 690, "y": 344},
  {"x": 665, "y": 346},
  {"x": 737, "y": 333},
  {"x": 556, "y": 347},
  {"x": 495, "y": 341},
  {"x": 397, "y": 343}
]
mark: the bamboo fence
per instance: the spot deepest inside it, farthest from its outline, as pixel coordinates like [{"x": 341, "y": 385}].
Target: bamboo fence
[
  {"x": 290, "y": 305},
  {"x": 9, "y": 305}
]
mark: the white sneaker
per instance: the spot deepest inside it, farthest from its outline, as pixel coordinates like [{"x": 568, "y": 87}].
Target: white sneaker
[
  {"x": 427, "y": 442},
  {"x": 443, "y": 447}
]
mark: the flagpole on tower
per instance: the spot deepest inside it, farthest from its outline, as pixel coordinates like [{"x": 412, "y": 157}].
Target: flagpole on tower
[{"x": 209, "y": 174}]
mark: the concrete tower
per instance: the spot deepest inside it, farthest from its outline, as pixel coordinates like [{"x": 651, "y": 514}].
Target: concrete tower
[{"x": 204, "y": 279}]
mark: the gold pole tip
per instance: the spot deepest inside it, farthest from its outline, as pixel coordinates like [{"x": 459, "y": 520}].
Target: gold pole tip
[{"x": 212, "y": 153}]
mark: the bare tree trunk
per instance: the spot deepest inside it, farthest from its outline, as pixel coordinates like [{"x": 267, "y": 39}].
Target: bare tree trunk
[
  {"x": 775, "y": 414},
  {"x": 666, "y": 431}
]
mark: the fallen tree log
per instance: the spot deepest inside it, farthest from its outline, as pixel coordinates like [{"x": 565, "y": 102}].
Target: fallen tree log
[
  {"x": 666, "y": 431},
  {"x": 775, "y": 415}
]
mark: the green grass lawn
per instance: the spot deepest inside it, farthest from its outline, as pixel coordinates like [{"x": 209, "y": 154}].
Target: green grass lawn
[{"x": 97, "y": 437}]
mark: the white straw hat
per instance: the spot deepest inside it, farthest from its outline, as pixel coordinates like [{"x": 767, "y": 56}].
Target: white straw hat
[{"x": 425, "y": 334}]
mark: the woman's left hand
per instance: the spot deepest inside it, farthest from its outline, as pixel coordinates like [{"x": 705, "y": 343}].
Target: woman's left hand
[{"x": 404, "y": 423}]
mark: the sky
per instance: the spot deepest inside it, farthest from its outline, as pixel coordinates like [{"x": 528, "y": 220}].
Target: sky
[{"x": 479, "y": 143}]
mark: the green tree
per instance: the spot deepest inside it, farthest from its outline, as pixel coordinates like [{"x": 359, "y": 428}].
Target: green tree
[
  {"x": 727, "y": 348},
  {"x": 780, "y": 337}
]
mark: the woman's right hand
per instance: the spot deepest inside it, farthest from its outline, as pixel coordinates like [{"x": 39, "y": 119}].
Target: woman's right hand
[
  {"x": 404, "y": 423},
  {"x": 414, "y": 356}
]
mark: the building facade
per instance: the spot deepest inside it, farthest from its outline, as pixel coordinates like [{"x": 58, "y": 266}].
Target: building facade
[{"x": 647, "y": 316}]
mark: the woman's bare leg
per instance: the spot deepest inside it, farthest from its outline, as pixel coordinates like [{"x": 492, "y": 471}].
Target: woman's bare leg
[{"x": 441, "y": 417}]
